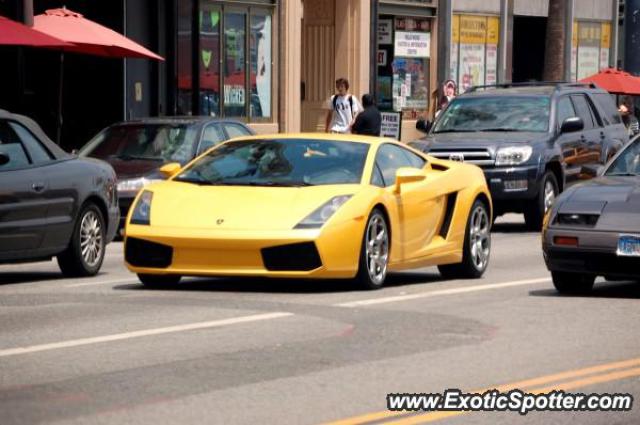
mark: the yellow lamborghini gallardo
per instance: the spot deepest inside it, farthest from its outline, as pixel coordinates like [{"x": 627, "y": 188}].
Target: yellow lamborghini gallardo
[{"x": 310, "y": 206}]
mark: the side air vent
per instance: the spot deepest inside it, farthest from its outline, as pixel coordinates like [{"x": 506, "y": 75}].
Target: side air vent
[{"x": 448, "y": 214}]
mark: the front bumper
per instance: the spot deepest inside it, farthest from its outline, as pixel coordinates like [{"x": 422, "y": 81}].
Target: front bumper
[
  {"x": 498, "y": 180},
  {"x": 595, "y": 254},
  {"x": 213, "y": 252}
]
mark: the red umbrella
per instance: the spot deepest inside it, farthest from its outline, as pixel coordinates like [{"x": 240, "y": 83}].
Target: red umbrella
[
  {"x": 16, "y": 34},
  {"x": 88, "y": 36},
  {"x": 615, "y": 81}
]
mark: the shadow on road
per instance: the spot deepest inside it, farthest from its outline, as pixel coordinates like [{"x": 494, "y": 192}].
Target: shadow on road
[
  {"x": 28, "y": 277},
  {"x": 620, "y": 290},
  {"x": 293, "y": 286},
  {"x": 510, "y": 227}
]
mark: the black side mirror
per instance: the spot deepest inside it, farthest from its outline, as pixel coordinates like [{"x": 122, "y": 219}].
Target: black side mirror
[
  {"x": 4, "y": 158},
  {"x": 423, "y": 125},
  {"x": 571, "y": 125}
]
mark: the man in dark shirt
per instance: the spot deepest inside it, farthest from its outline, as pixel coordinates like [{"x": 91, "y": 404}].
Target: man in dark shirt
[{"x": 368, "y": 121}]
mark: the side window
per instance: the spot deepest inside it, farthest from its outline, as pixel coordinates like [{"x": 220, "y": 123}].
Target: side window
[
  {"x": 389, "y": 158},
  {"x": 608, "y": 106},
  {"x": 565, "y": 110},
  {"x": 37, "y": 152},
  {"x": 211, "y": 136},
  {"x": 11, "y": 146},
  {"x": 415, "y": 160},
  {"x": 376, "y": 176},
  {"x": 235, "y": 130},
  {"x": 584, "y": 111}
]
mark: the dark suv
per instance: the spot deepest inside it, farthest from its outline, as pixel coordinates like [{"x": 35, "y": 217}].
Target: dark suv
[{"x": 531, "y": 140}]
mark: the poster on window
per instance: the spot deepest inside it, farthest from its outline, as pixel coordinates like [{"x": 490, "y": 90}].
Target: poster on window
[
  {"x": 261, "y": 87},
  {"x": 605, "y": 45},
  {"x": 588, "y": 49},
  {"x": 384, "y": 31},
  {"x": 472, "y": 65},
  {"x": 412, "y": 44},
  {"x": 493, "y": 35}
]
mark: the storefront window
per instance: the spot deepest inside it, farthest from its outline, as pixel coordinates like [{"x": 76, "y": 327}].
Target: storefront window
[
  {"x": 209, "y": 58},
  {"x": 234, "y": 67},
  {"x": 260, "y": 105},
  {"x": 404, "y": 46},
  {"x": 184, "y": 77}
]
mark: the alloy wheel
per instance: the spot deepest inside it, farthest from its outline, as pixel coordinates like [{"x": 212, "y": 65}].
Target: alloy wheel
[
  {"x": 479, "y": 234},
  {"x": 91, "y": 245},
  {"x": 377, "y": 249}
]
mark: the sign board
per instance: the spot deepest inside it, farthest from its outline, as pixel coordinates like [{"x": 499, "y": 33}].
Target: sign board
[
  {"x": 412, "y": 44},
  {"x": 382, "y": 58},
  {"x": 391, "y": 124},
  {"x": 384, "y": 31}
]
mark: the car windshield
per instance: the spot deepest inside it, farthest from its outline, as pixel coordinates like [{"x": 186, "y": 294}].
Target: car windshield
[
  {"x": 274, "y": 162},
  {"x": 628, "y": 163},
  {"x": 147, "y": 142},
  {"x": 495, "y": 113}
]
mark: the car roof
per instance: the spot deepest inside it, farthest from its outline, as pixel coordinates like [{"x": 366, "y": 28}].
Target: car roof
[
  {"x": 185, "y": 119},
  {"x": 532, "y": 89},
  {"x": 372, "y": 140},
  {"x": 35, "y": 129},
  {"x": 511, "y": 91}
]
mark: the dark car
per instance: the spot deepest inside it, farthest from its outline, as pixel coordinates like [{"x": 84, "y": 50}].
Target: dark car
[
  {"x": 594, "y": 228},
  {"x": 52, "y": 203},
  {"x": 138, "y": 149},
  {"x": 532, "y": 141}
]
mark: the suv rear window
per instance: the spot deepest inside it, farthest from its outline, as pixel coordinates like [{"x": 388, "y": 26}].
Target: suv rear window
[
  {"x": 609, "y": 111},
  {"x": 495, "y": 113}
]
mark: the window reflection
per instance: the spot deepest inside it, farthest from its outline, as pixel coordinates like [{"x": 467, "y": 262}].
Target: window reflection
[
  {"x": 185, "y": 83},
  {"x": 209, "y": 58},
  {"x": 234, "y": 68}
]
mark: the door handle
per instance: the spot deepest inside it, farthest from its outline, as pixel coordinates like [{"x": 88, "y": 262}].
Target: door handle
[{"x": 38, "y": 186}]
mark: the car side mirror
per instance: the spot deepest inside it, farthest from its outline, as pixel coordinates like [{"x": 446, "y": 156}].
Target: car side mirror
[
  {"x": 423, "y": 125},
  {"x": 571, "y": 125},
  {"x": 170, "y": 169},
  {"x": 4, "y": 158},
  {"x": 406, "y": 175}
]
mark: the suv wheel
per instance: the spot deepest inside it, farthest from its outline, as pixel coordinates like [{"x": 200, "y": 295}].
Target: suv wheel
[{"x": 535, "y": 209}]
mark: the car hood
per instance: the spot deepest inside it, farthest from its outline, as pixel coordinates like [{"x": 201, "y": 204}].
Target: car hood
[
  {"x": 489, "y": 139},
  {"x": 132, "y": 169},
  {"x": 186, "y": 205},
  {"x": 616, "y": 199}
]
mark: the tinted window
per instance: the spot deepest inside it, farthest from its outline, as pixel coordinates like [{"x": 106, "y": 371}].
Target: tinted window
[
  {"x": 376, "y": 177},
  {"x": 565, "y": 110},
  {"x": 584, "y": 111},
  {"x": 608, "y": 106},
  {"x": 211, "y": 136},
  {"x": 236, "y": 130},
  {"x": 495, "y": 113},
  {"x": 415, "y": 160},
  {"x": 37, "y": 152},
  {"x": 11, "y": 146},
  {"x": 389, "y": 159},
  {"x": 144, "y": 142},
  {"x": 274, "y": 162},
  {"x": 629, "y": 160}
]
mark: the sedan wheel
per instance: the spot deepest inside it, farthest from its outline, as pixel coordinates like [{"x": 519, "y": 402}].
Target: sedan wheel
[
  {"x": 85, "y": 253},
  {"x": 374, "y": 256}
]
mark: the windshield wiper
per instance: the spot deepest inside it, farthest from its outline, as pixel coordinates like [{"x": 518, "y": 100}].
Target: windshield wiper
[
  {"x": 194, "y": 181},
  {"x": 138, "y": 157},
  {"x": 455, "y": 130},
  {"x": 499, "y": 129}
]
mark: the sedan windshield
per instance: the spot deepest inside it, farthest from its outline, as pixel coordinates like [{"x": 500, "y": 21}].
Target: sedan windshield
[
  {"x": 497, "y": 113},
  {"x": 628, "y": 163},
  {"x": 147, "y": 142},
  {"x": 273, "y": 162}
]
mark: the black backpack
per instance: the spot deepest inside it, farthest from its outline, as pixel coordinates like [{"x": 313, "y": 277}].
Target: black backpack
[{"x": 334, "y": 100}]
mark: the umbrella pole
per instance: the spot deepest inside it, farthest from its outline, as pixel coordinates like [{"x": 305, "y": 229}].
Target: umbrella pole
[{"x": 60, "y": 86}]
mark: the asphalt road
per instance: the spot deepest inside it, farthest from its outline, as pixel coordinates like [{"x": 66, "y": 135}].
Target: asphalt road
[{"x": 108, "y": 351}]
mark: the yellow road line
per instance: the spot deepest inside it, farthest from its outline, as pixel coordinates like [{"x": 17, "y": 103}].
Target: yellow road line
[{"x": 556, "y": 377}]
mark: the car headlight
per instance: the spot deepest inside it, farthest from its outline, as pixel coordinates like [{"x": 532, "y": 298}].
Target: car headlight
[
  {"x": 134, "y": 185},
  {"x": 142, "y": 210},
  {"x": 513, "y": 155},
  {"x": 321, "y": 215}
]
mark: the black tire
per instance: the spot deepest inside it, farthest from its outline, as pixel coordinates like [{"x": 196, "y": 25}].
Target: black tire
[
  {"x": 159, "y": 280},
  {"x": 72, "y": 261},
  {"x": 471, "y": 267},
  {"x": 572, "y": 283},
  {"x": 535, "y": 209},
  {"x": 364, "y": 278}
]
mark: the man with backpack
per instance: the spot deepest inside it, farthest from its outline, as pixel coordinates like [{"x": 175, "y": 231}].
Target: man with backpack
[{"x": 342, "y": 109}]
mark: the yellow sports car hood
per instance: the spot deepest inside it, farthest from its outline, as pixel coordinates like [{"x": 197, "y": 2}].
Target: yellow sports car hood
[{"x": 187, "y": 205}]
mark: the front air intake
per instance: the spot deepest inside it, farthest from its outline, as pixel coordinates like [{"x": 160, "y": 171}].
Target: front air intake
[
  {"x": 294, "y": 257},
  {"x": 142, "y": 253}
]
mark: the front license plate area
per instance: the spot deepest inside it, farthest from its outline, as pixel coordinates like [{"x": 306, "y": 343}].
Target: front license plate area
[{"x": 628, "y": 246}]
